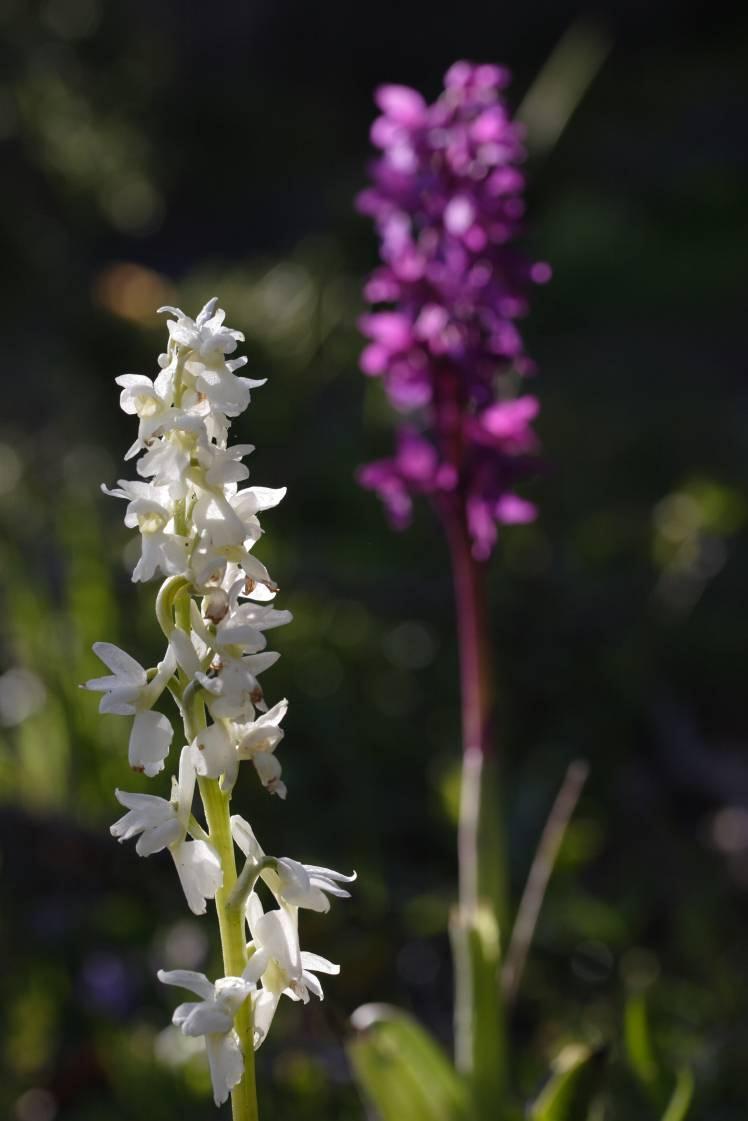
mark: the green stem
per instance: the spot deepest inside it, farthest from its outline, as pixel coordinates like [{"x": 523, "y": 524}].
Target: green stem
[
  {"x": 165, "y": 602},
  {"x": 246, "y": 881},
  {"x": 230, "y": 918},
  {"x": 481, "y": 921},
  {"x": 233, "y": 941}
]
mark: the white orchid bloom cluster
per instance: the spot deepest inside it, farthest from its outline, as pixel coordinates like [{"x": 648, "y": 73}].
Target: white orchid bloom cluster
[{"x": 197, "y": 528}]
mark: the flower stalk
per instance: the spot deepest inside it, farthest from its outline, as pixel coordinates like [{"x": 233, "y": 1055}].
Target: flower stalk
[
  {"x": 480, "y": 830},
  {"x": 231, "y": 924},
  {"x": 446, "y": 198},
  {"x": 481, "y": 917}
]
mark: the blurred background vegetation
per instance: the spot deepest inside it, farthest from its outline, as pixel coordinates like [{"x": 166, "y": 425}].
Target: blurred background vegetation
[{"x": 164, "y": 151}]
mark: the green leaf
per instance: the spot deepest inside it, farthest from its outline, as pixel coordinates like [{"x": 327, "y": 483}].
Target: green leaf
[
  {"x": 640, "y": 1048},
  {"x": 401, "y": 1070},
  {"x": 682, "y": 1097},
  {"x": 645, "y": 1065},
  {"x": 567, "y": 1094},
  {"x": 479, "y": 1014}
]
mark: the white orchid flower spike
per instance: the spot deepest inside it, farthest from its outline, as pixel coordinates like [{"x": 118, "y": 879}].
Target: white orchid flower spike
[{"x": 198, "y": 523}]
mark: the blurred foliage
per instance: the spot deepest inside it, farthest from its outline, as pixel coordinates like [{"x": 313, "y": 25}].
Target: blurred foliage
[
  {"x": 402, "y": 1070},
  {"x": 152, "y": 154}
]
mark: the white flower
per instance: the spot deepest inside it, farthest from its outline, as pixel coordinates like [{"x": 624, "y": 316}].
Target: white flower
[
  {"x": 206, "y": 334},
  {"x": 232, "y": 686},
  {"x": 249, "y": 618},
  {"x": 308, "y": 885},
  {"x": 222, "y": 466},
  {"x": 213, "y": 1018},
  {"x": 219, "y": 749},
  {"x": 214, "y": 755},
  {"x": 128, "y": 692},
  {"x": 224, "y": 391},
  {"x": 153, "y": 818},
  {"x": 163, "y": 824},
  {"x": 278, "y": 962},
  {"x": 253, "y": 500},
  {"x": 148, "y": 400},
  {"x": 200, "y": 872},
  {"x": 234, "y": 630},
  {"x": 151, "y": 510},
  {"x": 258, "y": 740},
  {"x": 293, "y": 883}
]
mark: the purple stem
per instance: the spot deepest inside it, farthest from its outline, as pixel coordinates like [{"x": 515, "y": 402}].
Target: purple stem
[{"x": 480, "y": 841}]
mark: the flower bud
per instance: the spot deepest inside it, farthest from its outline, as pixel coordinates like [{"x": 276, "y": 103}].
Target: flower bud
[{"x": 215, "y": 605}]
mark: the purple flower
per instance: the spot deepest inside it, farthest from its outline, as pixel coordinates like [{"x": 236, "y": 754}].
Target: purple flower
[
  {"x": 415, "y": 468},
  {"x": 446, "y": 199}
]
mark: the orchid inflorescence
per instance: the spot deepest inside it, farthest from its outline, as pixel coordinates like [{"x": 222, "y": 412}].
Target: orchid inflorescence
[
  {"x": 446, "y": 199},
  {"x": 216, "y": 603}
]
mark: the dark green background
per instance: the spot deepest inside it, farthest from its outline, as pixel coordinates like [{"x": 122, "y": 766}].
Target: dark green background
[{"x": 164, "y": 150}]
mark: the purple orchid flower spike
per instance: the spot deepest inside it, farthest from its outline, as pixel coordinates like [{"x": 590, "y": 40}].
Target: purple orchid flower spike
[{"x": 446, "y": 199}]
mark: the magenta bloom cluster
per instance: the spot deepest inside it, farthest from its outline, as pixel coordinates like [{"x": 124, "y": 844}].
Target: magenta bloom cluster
[{"x": 447, "y": 202}]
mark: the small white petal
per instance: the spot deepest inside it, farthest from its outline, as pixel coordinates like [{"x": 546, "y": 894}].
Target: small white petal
[
  {"x": 120, "y": 702},
  {"x": 330, "y": 873},
  {"x": 269, "y": 770},
  {"x": 258, "y": 663},
  {"x": 200, "y": 872},
  {"x": 188, "y": 979},
  {"x": 244, "y": 837},
  {"x": 150, "y": 740},
  {"x": 254, "y": 912},
  {"x": 276, "y": 932},
  {"x": 213, "y": 752},
  {"x": 312, "y": 983},
  {"x": 120, "y": 663},
  {"x": 231, "y": 992},
  {"x": 184, "y": 652},
  {"x": 318, "y": 964},
  {"x": 185, "y": 786},
  {"x": 159, "y": 837},
  {"x": 264, "y": 1005},
  {"x": 204, "y": 1018},
  {"x": 226, "y": 1064},
  {"x": 256, "y": 966}
]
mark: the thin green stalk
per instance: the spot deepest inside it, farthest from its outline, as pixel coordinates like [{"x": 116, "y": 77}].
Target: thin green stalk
[
  {"x": 233, "y": 941},
  {"x": 246, "y": 881},
  {"x": 480, "y": 924},
  {"x": 230, "y": 918},
  {"x": 165, "y": 601}
]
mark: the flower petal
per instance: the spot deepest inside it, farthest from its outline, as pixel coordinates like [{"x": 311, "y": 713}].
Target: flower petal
[
  {"x": 188, "y": 979},
  {"x": 226, "y": 1064},
  {"x": 120, "y": 663},
  {"x": 318, "y": 964},
  {"x": 205, "y": 1018},
  {"x": 244, "y": 837},
  {"x": 200, "y": 872},
  {"x": 231, "y": 992},
  {"x": 213, "y": 751},
  {"x": 150, "y": 740},
  {"x": 264, "y": 1005}
]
